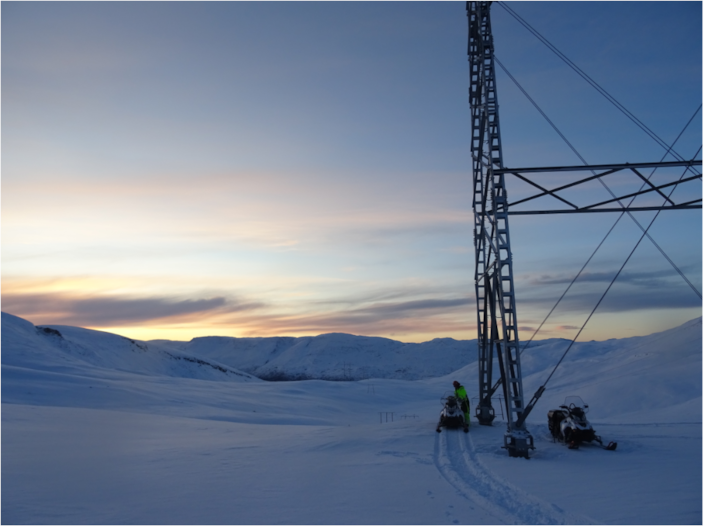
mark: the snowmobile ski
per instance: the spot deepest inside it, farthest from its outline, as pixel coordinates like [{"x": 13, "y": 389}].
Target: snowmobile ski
[{"x": 611, "y": 446}]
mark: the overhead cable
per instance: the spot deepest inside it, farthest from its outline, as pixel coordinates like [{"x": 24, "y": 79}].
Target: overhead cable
[
  {"x": 644, "y": 231},
  {"x": 592, "y": 83},
  {"x": 609, "y": 286}
]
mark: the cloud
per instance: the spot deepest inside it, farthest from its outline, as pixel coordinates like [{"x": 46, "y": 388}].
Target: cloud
[
  {"x": 377, "y": 315},
  {"x": 421, "y": 318},
  {"x": 394, "y": 309},
  {"x": 632, "y": 290},
  {"x": 104, "y": 311},
  {"x": 526, "y": 328},
  {"x": 387, "y": 311},
  {"x": 284, "y": 210},
  {"x": 644, "y": 278},
  {"x": 619, "y": 299}
]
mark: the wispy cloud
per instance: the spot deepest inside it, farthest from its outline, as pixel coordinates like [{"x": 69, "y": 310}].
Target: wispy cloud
[
  {"x": 104, "y": 311},
  {"x": 416, "y": 320},
  {"x": 273, "y": 210},
  {"x": 642, "y": 278},
  {"x": 620, "y": 299},
  {"x": 631, "y": 290},
  {"x": 408, "y": 313}
]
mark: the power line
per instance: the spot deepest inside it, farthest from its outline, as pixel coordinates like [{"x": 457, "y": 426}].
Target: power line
[
  {"x": 644, "y": 231},
  {"x": 597, "y": 305},
  {"x": 537, "y": 395},
  {"x": 592, "y": 83}
]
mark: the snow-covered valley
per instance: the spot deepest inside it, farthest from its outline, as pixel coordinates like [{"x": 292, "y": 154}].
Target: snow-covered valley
[{"x": 100, "y": 429}]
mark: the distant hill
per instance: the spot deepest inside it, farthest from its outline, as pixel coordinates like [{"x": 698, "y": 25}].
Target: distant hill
[
  {"x": 335, "y": 357},
  {"x": 75, "y": 350},
  {"x": 658, "y": 374},
  {"x": 332, "y": 356}
]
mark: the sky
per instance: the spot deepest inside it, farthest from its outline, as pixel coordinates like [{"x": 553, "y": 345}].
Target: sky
[{"x": 173, "y": 170}]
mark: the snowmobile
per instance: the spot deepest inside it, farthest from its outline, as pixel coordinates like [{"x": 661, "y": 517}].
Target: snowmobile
[
  {"x": 568, "y": 424},
  {"x": 451, "y": 415}
]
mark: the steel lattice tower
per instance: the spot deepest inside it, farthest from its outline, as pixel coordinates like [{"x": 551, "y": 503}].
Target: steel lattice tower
[{"x": 494, "y": 281}]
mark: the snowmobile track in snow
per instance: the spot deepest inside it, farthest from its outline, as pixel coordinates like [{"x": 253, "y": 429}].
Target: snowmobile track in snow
[{"x": 458, "y": 463}]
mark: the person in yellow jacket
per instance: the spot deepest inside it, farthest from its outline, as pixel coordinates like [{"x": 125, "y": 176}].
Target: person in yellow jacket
[{"x": 461, "y": 394}]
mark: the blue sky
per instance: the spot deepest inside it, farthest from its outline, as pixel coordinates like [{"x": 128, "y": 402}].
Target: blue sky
[{"x": 179, "y": 169}]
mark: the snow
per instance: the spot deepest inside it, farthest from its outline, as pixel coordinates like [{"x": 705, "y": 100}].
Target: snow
[{"x": 100, "y": 429}]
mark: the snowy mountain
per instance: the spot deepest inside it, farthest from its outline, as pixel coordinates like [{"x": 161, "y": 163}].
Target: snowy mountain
[
  {"x": 77, "y": 350},
  {"x": 101, "y": 429},
  {"x": 332, "y": 356}
]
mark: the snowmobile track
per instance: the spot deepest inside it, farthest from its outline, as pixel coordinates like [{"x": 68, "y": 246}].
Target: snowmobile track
[{"x": 458, "y": 463}]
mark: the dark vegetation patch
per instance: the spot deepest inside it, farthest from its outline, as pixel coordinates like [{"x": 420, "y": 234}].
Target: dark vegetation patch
[
  {"x": 50, "y": 331},
  {"x": 203, "y": 363},
  {"x": 284, "y": 376}
]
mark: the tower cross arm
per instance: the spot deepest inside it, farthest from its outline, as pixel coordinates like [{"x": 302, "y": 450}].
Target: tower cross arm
[{"x": 602, "y": 167}]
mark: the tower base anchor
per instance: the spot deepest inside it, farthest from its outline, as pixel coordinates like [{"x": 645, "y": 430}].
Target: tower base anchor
[
  {"x": 518, "y": 442},
  {"x": 485, "y": 414}
]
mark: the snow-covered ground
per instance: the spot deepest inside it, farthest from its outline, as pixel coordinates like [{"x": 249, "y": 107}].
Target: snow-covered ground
[{"x": 100, "y": 429}]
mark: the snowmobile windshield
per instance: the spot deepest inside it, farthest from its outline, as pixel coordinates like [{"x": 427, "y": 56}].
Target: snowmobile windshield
[
  {"x": 576, "y": 401},
  {"x": 447, "y": 397}
]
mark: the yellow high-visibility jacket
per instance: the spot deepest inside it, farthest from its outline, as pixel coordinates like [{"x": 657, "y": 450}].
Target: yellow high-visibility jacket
[{"x": 461, "y": 393}]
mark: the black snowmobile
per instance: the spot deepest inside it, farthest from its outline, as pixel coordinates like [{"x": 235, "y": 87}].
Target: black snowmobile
[
  {"x": 568, "y": 424},
  {"x": 451, "y": 415}
]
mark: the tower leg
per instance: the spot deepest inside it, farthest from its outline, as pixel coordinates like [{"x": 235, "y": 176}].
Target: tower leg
[{"x": 494, "y": 279}]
